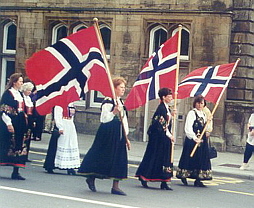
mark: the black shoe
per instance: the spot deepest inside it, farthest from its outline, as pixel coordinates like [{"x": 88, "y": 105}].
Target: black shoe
[
  {"x": 117, "y": 192},
  {"x": 50, "y": 171},
  {"x": 90, "y": 183},
  {"x": 144, "y": 184},
  {"x": 165, "y": 186},
  {"x": 71, "y": 172},
  {"x": 184, "y": 181},
  {"x": 17, "y": 177},
  {"x": 198, "y": 183}
]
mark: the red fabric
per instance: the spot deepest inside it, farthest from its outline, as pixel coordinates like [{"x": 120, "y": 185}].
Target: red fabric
[
  {"x": 206, "y": 81},
  {"x": 158, "y": 72},
  {"x": 59, "y": 78}
]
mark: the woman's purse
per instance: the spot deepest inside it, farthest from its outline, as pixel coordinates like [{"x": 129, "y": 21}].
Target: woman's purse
[{"x": 212, "y": 150}]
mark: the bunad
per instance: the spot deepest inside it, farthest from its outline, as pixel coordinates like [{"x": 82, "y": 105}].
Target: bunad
[{"x": 13, "y": 149}]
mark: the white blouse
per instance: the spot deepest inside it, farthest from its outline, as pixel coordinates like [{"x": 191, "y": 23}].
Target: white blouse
[
  {"x": 107, "y": 115},
  {"x": 17, "y": 96},
  {"x": 191, "y": 117}
]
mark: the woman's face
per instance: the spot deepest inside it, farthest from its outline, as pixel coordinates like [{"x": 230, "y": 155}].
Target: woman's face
[
  {"x": 17, "y": 85},
  {"x": 27, "y": 92},
  {"x": 200, "y": 105},
  {"x": 120, "y": 89},
  {"x": 167, "y": 99}
]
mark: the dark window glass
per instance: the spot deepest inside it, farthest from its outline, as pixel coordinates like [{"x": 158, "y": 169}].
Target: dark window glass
[
  {"x": 61, "y": 33},
  {"x": 11, "y": 37},
  {"x": 83, "y": 27},
  {"x": 98, "y": 98},
  {"x": 160, "y": 36},
  {"x": 10, "y": 69},
  {"x": 106, "y": 36},
  {"x": 185, "y": 43}
]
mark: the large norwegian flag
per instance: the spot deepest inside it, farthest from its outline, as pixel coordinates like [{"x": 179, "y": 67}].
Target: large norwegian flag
[
  {"x": 209, "y": 82},
  {"x": 158, "y": 72},
  {"x": 66, "y": 70}
]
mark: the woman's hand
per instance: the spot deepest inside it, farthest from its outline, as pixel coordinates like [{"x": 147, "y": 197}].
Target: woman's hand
[
  {"x": 197, "y": 140},
  {"x": 10, "y": 128},
  {"x": 116, "y": 109},
  {"x": 207, "y": 134},
  {"x": 61, "y": 131},
  {"x": 172, "y": 139},
  {"x": 252, "y": 132},
  {"x": 128, "y": 144}
]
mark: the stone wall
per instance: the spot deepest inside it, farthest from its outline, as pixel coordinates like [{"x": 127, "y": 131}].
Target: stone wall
[{"x": 220, "y": 31}]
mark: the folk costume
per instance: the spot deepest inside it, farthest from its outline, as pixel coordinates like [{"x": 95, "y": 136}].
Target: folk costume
[
  {"x": 13, "y": 148},
  {"x": 199, "y": 166},
  {"x": 29, "y": 107},
  {"x": 107, "y": 158},
  {"x": 63, "y": 151},
  {"x": 156, "y": 165}
]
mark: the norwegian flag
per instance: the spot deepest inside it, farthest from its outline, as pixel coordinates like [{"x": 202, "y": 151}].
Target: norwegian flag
[
  {"x": 158, "y": 72},
  {"x": 66, "y": 70},
  {"x": 209, "y": 82}
]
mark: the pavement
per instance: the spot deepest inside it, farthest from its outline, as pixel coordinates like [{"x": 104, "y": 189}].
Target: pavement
[{"x": 226, "y": 164}]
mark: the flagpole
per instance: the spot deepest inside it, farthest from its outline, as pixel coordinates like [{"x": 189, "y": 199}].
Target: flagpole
[
  {"x": 215, "y": 107},
  {"x": 176, "y": 90},
  {"x": 98, "y": 33}
]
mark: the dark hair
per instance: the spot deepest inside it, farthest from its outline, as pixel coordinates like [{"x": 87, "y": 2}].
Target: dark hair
[
  {"x": 198, "y": 99},
  {"x": 13, "y": 78},
  {"x": 164, "y": 92}
]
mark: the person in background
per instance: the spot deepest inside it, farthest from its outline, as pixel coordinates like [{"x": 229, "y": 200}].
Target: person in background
[
  {"x": 249, "y": 149},
  {"x": 63, "y": 151},
  {"x": 107, "y": 158},
  {"x": 38, "y": 119},
  {"x": 197, "y": 167},
  {"x": 13, "y": 127},
  {"x": 49, "y": 123},
  {"x": 26, "y": 90},
  {"x": 156, "y": 165}
]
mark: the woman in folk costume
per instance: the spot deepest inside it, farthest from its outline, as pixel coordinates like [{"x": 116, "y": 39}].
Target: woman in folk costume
[
  {"x": 156, "y": 165},
  {"x": 13, "y": 127},
  {"x": 63, "y": 151},
  {"x": 26, "y": 90},
  {"x": 107, "y": 158},
  {"x": 199, "y": 166}
]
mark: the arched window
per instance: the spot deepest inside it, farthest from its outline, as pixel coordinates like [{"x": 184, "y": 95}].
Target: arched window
[
  {"x": 106, "y": 37},
  {"x": 78, "y": 28},
  {"x": 185, "y": 41},
  {"x": 9, "y": 38},
  {"x": 58, "y": 32},
  {"x": 158, "y": 35},
  {"x": 7, "y": 68}
]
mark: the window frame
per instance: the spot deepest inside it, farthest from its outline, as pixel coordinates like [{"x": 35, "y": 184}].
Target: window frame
[{"x": 5, "y": 36}]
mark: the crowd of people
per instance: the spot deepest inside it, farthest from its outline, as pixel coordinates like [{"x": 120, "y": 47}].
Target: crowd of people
[{"x": 107, "y": 158}]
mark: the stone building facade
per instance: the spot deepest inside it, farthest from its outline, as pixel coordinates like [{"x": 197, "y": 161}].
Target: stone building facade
[{"x": 215, "y": 32}]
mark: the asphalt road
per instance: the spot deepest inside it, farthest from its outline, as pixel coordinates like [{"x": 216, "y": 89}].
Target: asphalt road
[{"x": 43, "y": 190}]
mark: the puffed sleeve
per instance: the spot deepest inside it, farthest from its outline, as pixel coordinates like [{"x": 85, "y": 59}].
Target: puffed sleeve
[
  {"x": 106, "y": 114},
  {"x": 58, "y": 116},
  {"x": 188, "y": 125}
]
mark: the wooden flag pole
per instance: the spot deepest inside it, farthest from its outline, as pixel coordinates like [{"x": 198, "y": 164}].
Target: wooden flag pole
[
  {"x": 176, "y": 90},
  {"x": 98, "y": 33},
  {"x": 215, "y": 107}
]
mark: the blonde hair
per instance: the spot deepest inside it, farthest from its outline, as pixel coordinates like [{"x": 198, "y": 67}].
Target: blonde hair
[
  {"x": 118, "y": 80},
  {"x": 27, "y": 86}
]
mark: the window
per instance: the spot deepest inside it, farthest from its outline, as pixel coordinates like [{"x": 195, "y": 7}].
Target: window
[
  {"x": 79, "y": 27},
  {"x": 59, "y": 31},
  {"x": 184, "y": 43},
  {"x": 106, "y": 37},
  {"x": 8, "y": 53},
  {"x": 158, "y": 36}
]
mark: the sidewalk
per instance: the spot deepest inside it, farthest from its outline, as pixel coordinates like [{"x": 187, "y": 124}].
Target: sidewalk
[{"x": 226, "y": 164}]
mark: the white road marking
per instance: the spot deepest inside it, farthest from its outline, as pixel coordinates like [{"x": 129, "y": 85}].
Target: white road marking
[{"x": 66, "y": 197}]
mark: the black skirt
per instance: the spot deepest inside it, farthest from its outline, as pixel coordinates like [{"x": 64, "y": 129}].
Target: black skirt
[
  {"x": 107, "y": 158},
  {"x": 198, "y": 166}
]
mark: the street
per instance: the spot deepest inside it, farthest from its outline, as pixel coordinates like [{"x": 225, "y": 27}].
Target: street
[{"x": 59, "y": 190}]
